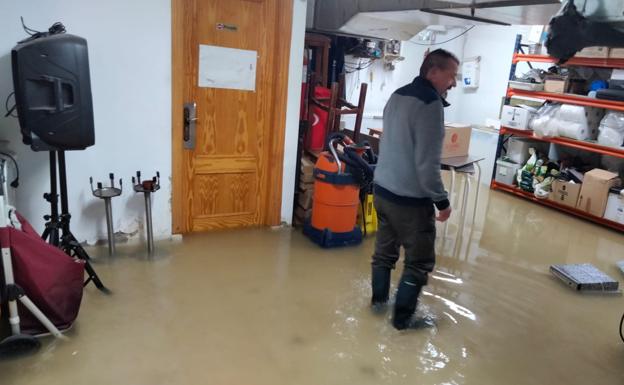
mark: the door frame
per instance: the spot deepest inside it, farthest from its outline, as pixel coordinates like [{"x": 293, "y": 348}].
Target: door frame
[{"x": 181, "y": 218}]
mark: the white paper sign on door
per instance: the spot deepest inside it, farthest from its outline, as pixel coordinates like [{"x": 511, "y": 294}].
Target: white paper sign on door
[{"x": 230, "y": 68}]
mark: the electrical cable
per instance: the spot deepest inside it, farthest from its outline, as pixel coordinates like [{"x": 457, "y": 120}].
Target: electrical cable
[
  {"x": 9, "y": 111},
  {"x": 27, "y": 29},
  {"x": 15, "y": 182},
  {"x": 622, "y": 323},
  {"x": 55, "y": 29},
  {"x": 359, "y": 67},
  {"x": 446, "y": 41}
]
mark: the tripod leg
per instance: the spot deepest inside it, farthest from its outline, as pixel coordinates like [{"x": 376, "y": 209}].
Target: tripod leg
[
  {"x": 69, "y": 243},
  {"x": 51, "y": 231},
  {"x": 94, "y": 277},
  {"x": 51, "y": 235},
  {"x": 79, "y": 252},
  {"x": 45, "y": 234}
]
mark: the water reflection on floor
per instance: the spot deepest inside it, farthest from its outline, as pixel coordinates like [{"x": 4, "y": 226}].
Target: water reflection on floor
[{"x": 269, "y": 307}]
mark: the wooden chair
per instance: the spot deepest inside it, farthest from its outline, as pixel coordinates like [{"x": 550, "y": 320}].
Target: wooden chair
[
  {"x": 336, "y": 106},
  {"x": 319, "y": 44},
  {"x": 376, "y": 132}
]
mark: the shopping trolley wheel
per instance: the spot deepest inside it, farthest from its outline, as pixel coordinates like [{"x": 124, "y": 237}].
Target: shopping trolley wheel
[{"x": 18, "y": 345}]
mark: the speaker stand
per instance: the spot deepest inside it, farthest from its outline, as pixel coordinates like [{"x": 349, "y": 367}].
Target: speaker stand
[{"x": 57, "y": 228}]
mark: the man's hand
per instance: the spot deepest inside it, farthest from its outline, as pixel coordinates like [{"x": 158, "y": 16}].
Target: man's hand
[{"x": 444, "y": 215}]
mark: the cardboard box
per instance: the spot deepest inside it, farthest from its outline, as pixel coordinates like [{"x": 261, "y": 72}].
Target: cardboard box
[
  {"x": 307, "y": 177},
  {"x": 615, "y": 207},
  {"x": 565, "y": 193},
  {"x": 305, "y": 199},
  {"x": 456, "y": 140},
  {"x": 305, "y": 186},
  {"x": 594, "y": 52},
  {"x": 302, "y": 214},
  {"x": 616, "y": 53},
  {"x": 307, "y": 166},
  {"x": 307, "y": 170},
  {"x": 557, "y": 85},
  {"x": 595, "y": 191},
  {"x": 516, "y": 117}
]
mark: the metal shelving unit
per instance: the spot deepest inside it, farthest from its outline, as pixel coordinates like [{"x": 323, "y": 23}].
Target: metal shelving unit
[
  {"x": 575, "y": 61},
  {"x": 577, "y": 100},
  {"x": 578, "y": 144},
  {"x": 548, "y": 203},
  {"x": 582, "y": 145}
]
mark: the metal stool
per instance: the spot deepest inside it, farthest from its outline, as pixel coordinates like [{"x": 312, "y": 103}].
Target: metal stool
[
  {"x": 466, "y": 166},
  {"x": 107, "y": 193},
  {"x": 147, "y": 187}
]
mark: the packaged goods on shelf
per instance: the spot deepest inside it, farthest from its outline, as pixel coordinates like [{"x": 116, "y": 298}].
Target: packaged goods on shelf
[
  {"x": 506, "y": 171},
  {"x": 543, "y": 124},
  {"x": 517, "y": 117},
  {"x": 615, "y": 206},
  {"x": 611, "y": 130},
  {"x": 595, "y": 191},
  {"x": 518, "y": 148},
  {"x": 594, "y": 52},
  {"x": 565, "y": 192},
  {"x": 575, "y": 122},
  {"x": 556, "y": 84}
]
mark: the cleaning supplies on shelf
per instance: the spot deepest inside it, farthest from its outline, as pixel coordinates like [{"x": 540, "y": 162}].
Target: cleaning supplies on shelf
[
  {"x": 525, "y": 174},
  {"x": 537, "y": 175}
]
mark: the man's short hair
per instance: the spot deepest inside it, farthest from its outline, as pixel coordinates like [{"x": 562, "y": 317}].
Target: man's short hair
[{"x": 439, "y": 58}]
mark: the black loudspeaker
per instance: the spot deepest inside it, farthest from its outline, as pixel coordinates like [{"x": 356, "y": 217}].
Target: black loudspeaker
[{"x": 53, "y": 92}]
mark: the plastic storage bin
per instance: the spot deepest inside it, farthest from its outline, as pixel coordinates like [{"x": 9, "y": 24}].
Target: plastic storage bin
[{"x": 506, "y": 171}]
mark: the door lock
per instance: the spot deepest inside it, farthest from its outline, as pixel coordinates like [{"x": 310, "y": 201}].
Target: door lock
[{"x": 190, "y": 119}]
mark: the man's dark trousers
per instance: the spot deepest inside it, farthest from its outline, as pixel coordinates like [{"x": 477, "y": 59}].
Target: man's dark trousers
[{"x": 413, "y": 227}]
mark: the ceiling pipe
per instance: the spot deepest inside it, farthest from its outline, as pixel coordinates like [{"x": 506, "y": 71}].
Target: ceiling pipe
[{"x": 331, "y": 15}]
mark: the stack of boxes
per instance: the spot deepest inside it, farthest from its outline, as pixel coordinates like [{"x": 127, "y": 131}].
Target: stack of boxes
[
  {"x": 601, "y": 53},
  {"x": 303, "y": 210},
  {"x": 598, "y": 195}
]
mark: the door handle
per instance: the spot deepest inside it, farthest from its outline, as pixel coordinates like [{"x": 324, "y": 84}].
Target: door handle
[{"x": 190, "y": 119}]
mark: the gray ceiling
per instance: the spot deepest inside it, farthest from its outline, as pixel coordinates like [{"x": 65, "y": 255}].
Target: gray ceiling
[{"x": 402, "y": 19}]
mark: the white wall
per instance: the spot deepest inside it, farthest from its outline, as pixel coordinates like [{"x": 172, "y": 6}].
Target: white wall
[
  {"x": 495, "y": 45},
  {"x": 130, "y": 63},
  {"x": 476, "y": 106},
  {"x": 295, "y": 78}
]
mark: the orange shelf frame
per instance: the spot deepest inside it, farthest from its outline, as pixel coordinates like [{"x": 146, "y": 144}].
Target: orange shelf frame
[
  {"x": 588, "y": 146},
  {"x": 569, "y": 99},
  {"x": 544, "y": 202},
  {"x": 575, "y": 61}
]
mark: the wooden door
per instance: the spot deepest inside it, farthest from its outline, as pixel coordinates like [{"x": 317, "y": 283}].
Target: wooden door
[{"x": 233, "y": 176}]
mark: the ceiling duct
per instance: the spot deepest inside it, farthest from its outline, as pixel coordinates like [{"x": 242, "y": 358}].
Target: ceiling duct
[{"x": 402, "y": 19}]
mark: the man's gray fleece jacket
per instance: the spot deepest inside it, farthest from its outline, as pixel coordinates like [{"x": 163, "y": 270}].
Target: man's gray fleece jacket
[{"x": 408, "y": 170}]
